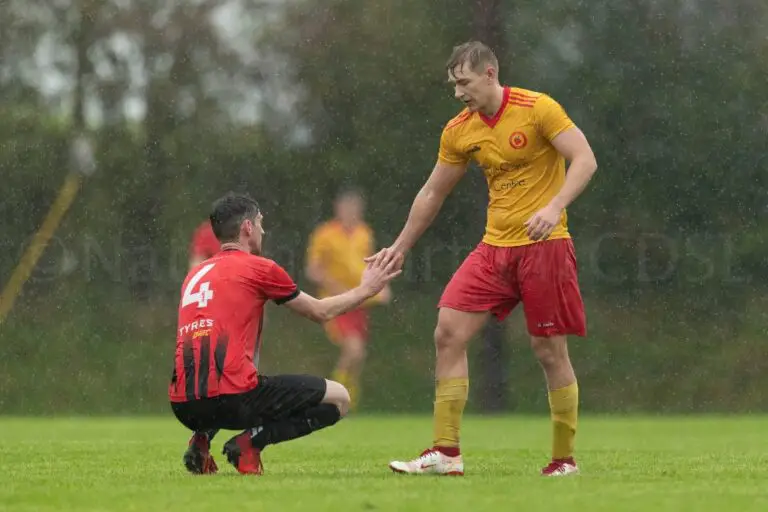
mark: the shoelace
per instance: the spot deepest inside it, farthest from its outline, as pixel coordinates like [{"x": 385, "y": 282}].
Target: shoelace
[
  {"x": 557, "y": 466},
  {"x": 425, "y": 455}
]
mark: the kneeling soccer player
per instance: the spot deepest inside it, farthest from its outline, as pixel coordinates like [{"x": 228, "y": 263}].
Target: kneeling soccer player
[{"x": 216, "y": 383}]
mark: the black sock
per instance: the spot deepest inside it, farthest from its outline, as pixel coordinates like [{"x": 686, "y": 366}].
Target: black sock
[{"x": 300, "y": 425}]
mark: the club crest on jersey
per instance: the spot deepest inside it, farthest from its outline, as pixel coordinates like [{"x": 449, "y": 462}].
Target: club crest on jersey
[{"x": 518, "y": 140}]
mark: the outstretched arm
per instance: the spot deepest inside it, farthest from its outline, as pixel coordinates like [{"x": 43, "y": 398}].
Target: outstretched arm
[
  {"x": 424, "y": 209},
  {"x": 427, "y": 203},
  {"x": 374, "y": 279}
]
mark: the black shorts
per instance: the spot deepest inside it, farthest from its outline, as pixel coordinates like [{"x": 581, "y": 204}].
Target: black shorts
[{"x": 274, "y": 398}]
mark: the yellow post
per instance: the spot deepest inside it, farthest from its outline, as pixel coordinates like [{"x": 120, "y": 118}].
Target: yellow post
[{"x": 39, "y": 242}]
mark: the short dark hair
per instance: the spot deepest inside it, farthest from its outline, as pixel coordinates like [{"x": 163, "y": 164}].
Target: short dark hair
[
  {"x": 350, "y": 192},
  {"x": 474, "y": 53},
  {"x": 228, "y": 214}
]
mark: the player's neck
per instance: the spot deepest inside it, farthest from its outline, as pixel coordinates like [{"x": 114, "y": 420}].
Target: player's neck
[
  {"x": 233, "y": 246},
  {"x": 496, "y": 101},
  {"x": 349, "y": 225}
]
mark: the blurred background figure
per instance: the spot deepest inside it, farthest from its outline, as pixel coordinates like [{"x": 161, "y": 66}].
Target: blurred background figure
[
  {"x": 203, "y": 244},
  {"x": 335, "y": 264}
]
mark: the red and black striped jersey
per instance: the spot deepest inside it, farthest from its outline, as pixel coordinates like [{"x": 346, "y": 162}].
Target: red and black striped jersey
[{"x": 221, "y": 314}]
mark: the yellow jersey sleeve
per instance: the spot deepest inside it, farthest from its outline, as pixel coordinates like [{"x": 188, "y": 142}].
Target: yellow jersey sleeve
[
  {"x": 318, "y": 245},
  {"x": 551, "y": 119},
  {"x": 449, "y": 152}
]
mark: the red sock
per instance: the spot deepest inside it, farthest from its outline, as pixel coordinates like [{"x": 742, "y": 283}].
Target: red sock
[{"x": 450, "y": 451}]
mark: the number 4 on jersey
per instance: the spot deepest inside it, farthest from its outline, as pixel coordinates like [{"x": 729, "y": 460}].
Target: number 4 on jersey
[{"x": 203, "y": 295}]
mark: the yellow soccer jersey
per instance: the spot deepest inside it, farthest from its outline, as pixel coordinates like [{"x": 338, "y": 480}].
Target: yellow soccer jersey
[
  {"x": 523, "y": 170},
  {"x": 340, "y": 252}
]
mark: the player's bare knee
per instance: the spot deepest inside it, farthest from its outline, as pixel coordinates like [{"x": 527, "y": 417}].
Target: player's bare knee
[
  {"x": 449, "y": 337},
  {"x": 551, "y": 352},
  {"x": 342, "y": 404},
  {"x": 337, "y": 394},
  {"x": 455, "y": 329}
]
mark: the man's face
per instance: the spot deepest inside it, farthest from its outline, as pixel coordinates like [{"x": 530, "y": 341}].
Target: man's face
[
  {"x": 253, "y": 232},
  {"x": 473, "y": 89},
  {"x": 349, "y": 209}
]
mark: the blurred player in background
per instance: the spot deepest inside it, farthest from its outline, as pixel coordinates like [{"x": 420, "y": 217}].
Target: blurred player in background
[
  {"x": 335, "y": 263},
  {"x": 521, "y": 139},
  {"x": 215, "y": 382},
  {"x": 203, "y": 245}
]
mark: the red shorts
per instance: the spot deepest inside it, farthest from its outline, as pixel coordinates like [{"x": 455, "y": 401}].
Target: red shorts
[
  {"x": 541, "y": 275},
  {"x": 353, "y": 324}
]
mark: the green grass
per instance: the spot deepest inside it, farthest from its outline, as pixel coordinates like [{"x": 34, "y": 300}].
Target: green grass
[{"x": 628, "y": 463}]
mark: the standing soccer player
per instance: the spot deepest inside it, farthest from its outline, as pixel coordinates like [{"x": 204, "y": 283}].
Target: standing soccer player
[
  {"x": 521, "y": 139},
  {"x": 216, "y": 383},
  {"x": 335, "y": 264}
]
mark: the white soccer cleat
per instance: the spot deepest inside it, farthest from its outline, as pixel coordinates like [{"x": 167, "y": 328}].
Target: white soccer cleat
[
  {"x": 561, "y": 468},
  {"x": 431, "y": 462}
]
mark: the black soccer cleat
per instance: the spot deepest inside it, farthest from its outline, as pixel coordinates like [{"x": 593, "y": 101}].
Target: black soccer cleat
[{"x": 198, "y": 459}]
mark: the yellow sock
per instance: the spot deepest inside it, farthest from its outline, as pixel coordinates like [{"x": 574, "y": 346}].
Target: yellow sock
[
  {"x": 354, "y": 394},
  {"x": 349, "y": 382},
  {"x": 450, "y": 399},
  {"x": 341, "y": 377},
  {"x": 564, "y": 407}
]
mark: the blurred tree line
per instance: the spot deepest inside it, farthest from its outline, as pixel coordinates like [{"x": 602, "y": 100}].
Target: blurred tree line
[{"x": 185, "y": 100}]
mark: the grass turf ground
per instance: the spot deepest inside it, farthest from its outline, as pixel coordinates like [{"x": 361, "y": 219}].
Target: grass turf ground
[{"x": 628, "y": 463}]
